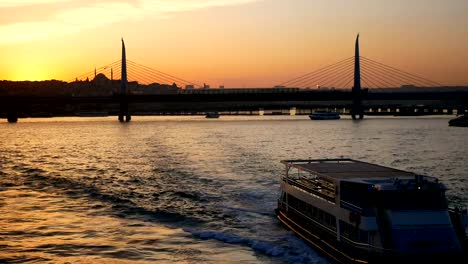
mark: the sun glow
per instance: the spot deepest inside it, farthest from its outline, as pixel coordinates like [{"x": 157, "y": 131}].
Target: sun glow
[
  {"x": 30, "y": 72},
  {"x": 235, "y": 43}
]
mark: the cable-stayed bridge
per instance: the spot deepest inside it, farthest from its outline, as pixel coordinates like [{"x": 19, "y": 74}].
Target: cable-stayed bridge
[
  {"x": 126, "y": 88},
  {"x": 340, "y": 75}
]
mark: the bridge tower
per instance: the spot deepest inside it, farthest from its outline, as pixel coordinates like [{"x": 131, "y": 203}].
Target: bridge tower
[
  {"x": 124, "y": 114},
  {"x": 357, "y": 110}
]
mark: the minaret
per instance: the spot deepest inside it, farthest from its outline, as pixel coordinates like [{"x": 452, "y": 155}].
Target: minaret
[{"x": 357, "y": 109}]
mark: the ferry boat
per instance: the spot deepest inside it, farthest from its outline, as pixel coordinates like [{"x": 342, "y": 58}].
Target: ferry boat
[
  {"x": 212, "y": 115},
  {"x": 461, "y": 121},
  {"x": 324, "y": 115},
  {"x": 358, "y": 212}
]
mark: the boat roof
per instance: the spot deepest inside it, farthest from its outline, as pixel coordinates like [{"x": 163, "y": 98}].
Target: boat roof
[{"x": 346, "y": 169}]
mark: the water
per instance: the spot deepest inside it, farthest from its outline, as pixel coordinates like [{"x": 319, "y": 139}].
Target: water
[{"x": 187, "y": 189}]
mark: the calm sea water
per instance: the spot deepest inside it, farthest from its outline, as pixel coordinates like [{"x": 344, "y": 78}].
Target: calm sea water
[{"x": 187, "y": 189}]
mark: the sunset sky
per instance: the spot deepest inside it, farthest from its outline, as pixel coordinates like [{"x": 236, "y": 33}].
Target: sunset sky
[{"x": 236, "y": 43}]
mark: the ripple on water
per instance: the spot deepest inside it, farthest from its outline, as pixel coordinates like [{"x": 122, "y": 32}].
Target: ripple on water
[
  {"x": 103, "y": 238},
  {"x": 123, "y": 193}
]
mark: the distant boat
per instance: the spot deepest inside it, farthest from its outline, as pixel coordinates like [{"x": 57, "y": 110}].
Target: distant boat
[
  {"x": 461, "y": 121},
  {"x": 324, "y": 115},
  {"x": 212, "y": 115}
]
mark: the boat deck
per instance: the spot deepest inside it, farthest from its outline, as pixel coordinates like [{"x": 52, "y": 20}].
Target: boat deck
[{"x": 342, "y": 169}]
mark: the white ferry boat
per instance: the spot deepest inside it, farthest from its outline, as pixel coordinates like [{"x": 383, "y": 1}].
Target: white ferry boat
[
  {"x": 357, "y": 212},
  {"x": 324, "y": 115}
]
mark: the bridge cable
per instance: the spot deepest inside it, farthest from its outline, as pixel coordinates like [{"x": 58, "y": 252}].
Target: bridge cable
[
  {"x": 347, "y": 79},
  {"x": 376, "y": 75},
  {"x": 317, "y": 74},
  {"x": 305, "y": 76},
  {"x": 151, "y": 77},
  {"x": 369, "y": 81},
  {"x": 134, "y": 75},
  {"x": 306, "y": 80},
  {"x": 322, "y": 76},
  {"x": 400, "y": 73},
  {"x": 160, "y": 78},
  {"x": 386, "y": 74},
  {"x": 422, "y": 79},
  {"x": 365, "y": 83},
  {"x": 330, "y": 78},
  {"x": 337, "y": 79},
  {"x": 177, "y": 78}
]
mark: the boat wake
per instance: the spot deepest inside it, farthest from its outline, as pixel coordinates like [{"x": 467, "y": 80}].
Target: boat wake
[{"x": 287, "y": 247}]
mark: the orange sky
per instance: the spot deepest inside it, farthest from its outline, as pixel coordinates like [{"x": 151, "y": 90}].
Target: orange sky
[{"x": 236, "y": 43}]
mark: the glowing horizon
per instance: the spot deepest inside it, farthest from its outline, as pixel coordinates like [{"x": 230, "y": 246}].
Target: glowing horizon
[{"x": 236, "y": 43}]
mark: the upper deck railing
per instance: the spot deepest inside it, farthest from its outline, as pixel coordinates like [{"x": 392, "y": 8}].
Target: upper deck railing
[{"x": 312, "y": 187}]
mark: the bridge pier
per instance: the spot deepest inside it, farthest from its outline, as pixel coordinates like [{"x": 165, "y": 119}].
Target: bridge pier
[
  {"x": 124, "y": 113},
  {"x": 357, "y": 111},
  {"x": 12, "y": 116}
]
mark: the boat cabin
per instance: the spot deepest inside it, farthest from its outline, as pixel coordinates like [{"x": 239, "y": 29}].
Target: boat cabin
[{"x": 357, "y": 211}]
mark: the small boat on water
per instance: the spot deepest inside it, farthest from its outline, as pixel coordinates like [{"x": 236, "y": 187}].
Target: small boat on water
[
  {"x": 324, "y": 115},
  {"x": 358, "y": 212},
  {"x": 461, "y": 121},
  {"x": 212, "y": 115}
]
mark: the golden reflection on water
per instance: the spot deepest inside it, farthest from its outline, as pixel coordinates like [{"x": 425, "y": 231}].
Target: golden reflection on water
[{"x": 46, "y": 227}]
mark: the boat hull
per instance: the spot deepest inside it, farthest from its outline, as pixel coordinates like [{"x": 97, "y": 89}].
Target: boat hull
[
  {"x": 329, "y": 249},
  {"x": 212, "y": 115},
  {"x": 337, "y": 252},
  {"x": 461, "y": 121},
  {"x": 324, "y": 115},
  {"x": 324, "y": 118},
  {"x": 458, "y": 123}
]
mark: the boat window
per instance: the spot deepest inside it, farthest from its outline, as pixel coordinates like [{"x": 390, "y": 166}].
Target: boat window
[
  {"x": 312, "y": 212},
  {"x": 353, "y": 233}
]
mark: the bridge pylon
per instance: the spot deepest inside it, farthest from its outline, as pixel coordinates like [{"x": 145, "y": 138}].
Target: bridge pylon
[
  {"x": 124, "y": 113},
  {"x": 12, "y": 116},
  {"x": 357, "y": 111}
]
